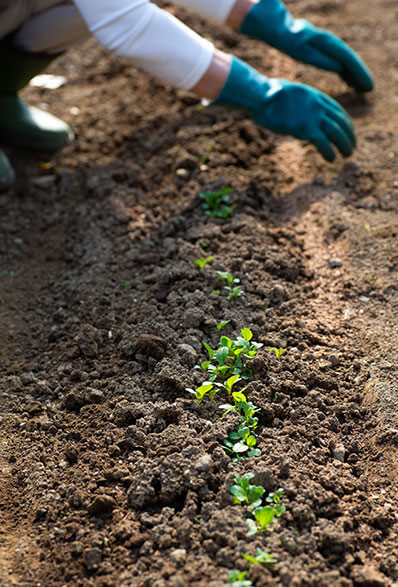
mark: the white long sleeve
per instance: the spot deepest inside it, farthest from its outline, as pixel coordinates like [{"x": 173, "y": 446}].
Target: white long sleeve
[
  {"x": 216, "y": 9},
  {"x": 150, "y": 38}
]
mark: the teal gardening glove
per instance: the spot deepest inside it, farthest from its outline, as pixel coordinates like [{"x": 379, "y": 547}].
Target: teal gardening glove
[
  {"x": 270, "y": 21},
  {"x": 290, "y": 109}
]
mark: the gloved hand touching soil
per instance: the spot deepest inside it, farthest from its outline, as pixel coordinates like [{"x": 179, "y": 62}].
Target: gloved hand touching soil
[
  {"x": 290, "y": 109},
  {"x": 271, "y": 22}
]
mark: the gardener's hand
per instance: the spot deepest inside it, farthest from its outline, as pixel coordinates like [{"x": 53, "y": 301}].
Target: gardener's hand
[
  {"x": 290, "y": 109},
  {"x": 270, "y": 21}
]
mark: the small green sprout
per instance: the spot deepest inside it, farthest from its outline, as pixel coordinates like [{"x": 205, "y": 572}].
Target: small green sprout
[
  {"x": 262, "y": 558},
  {"x": 127, "y": 286},
  {"x": 232, "y": 356},
  {"x": 202, "y": 262},
  {"x": 275, "y": 499},
  {"x": 12, "y": 273},
  {"x": 234, "y": 292},
  {"x": 238, "y": 579},
  {"x": 367, "y": 226},
  {"x": 240, "y": 443},
  {"x": 243, "y": 492},
  {"x": 245, "y": 409},
  {"x": 263, "y": 517},
  {"x": 231, "y": 287},
  {"x": 227, "y": 277},
  {"x": 206, "y": 389},
  {"x": 278, "y": 352},
  {"x": 216, "y": 204},
  {"x": 209, "y": 350},
  {"x": 200, "y": 107},
  {"x": 222, "y": 324},
  {"x": 216, "y": 292},
  {"x": 204, "y": 245},
  {"x": 229, "y": 383}
]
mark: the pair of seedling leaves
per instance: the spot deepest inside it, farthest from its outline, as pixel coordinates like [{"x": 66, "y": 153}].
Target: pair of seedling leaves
[
  {"x": 241, "y": 441},
  {"x": 231, "y": 287},
  {"x": 252, "y": 496},
  {"x": 217, "y": 204},
  {"x": 238, "y": 578}
]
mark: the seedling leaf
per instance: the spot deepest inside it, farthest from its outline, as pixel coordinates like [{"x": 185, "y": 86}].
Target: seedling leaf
[
  {"x": 222, "y": 355},
  {"x": 247, "y": 334},
  {"x": 264, "y": 516},
  {"x": 222, "y": 324}
]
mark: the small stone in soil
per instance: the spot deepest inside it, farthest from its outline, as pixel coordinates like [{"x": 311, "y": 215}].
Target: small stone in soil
[
  {"x": 334, "y": 360},
  {"x": 204, "y": 463},
  {"x": 178, "y": 555},
  {"x": 333, "y": 263},
  {"x": 92, "y": 558},
  {"x": 363, "y": 299},
  {"x": 182, "y": 173},
  {"x": 151, "y": 346},
  {"x": 102, "y": 504},
  {"x": 339, "y": 452}
]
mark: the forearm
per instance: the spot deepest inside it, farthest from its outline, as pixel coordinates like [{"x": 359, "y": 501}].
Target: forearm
[
  {"x": 213, "y": 81},
  {"x": 151, "y": 39}
]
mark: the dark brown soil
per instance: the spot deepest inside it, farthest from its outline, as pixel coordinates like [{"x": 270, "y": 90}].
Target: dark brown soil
[{"x": 111, "y": 474}]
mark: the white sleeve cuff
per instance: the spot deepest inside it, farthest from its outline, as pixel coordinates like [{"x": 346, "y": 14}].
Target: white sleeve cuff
[
  {"x": 150, "y": 38},
  {"x": 216, "y": 9}
]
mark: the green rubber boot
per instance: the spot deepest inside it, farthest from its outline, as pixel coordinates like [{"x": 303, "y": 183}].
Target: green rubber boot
[
  {"x": 23, "y": 126},
  {"x": 6, "y": 173}
]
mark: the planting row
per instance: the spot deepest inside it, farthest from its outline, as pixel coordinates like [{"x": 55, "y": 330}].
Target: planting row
[{"x": 225, "y": 372}]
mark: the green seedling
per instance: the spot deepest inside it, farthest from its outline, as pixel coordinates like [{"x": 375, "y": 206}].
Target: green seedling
[
  {"x": 207, "y": 389},
  {"x": 229, "y": 383},
  {"x": 244, "y": 493},
  {"x": 234, "y": 292},
  {"x": 127, "y": 286},
  {"x": 278, "y": 352},
  {"x": 238, "y": 579},
  {"x": 262, "y": 558},
  {"x": 222, "y": 324},
  {"x": 231, "y": 357},
  {"x": 210, "y": 351},
  {"x": 246, "y": 410},
  {"x": 12, "y": 273},
  {"x": 275, "y": 499},
  {"x": 227, "y": 277},
  {"x": 263, "y": 518},
  {"x": 240, "y": 443},
  {"x": 231, "y": 287},
  {"x": 204, "y": 245},
  {"x": 202, "y": 262},
  {"x": 216, "y": 204}
]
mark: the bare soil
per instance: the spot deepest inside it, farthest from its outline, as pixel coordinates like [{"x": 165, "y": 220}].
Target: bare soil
[{"x": 111, "y": 474}]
